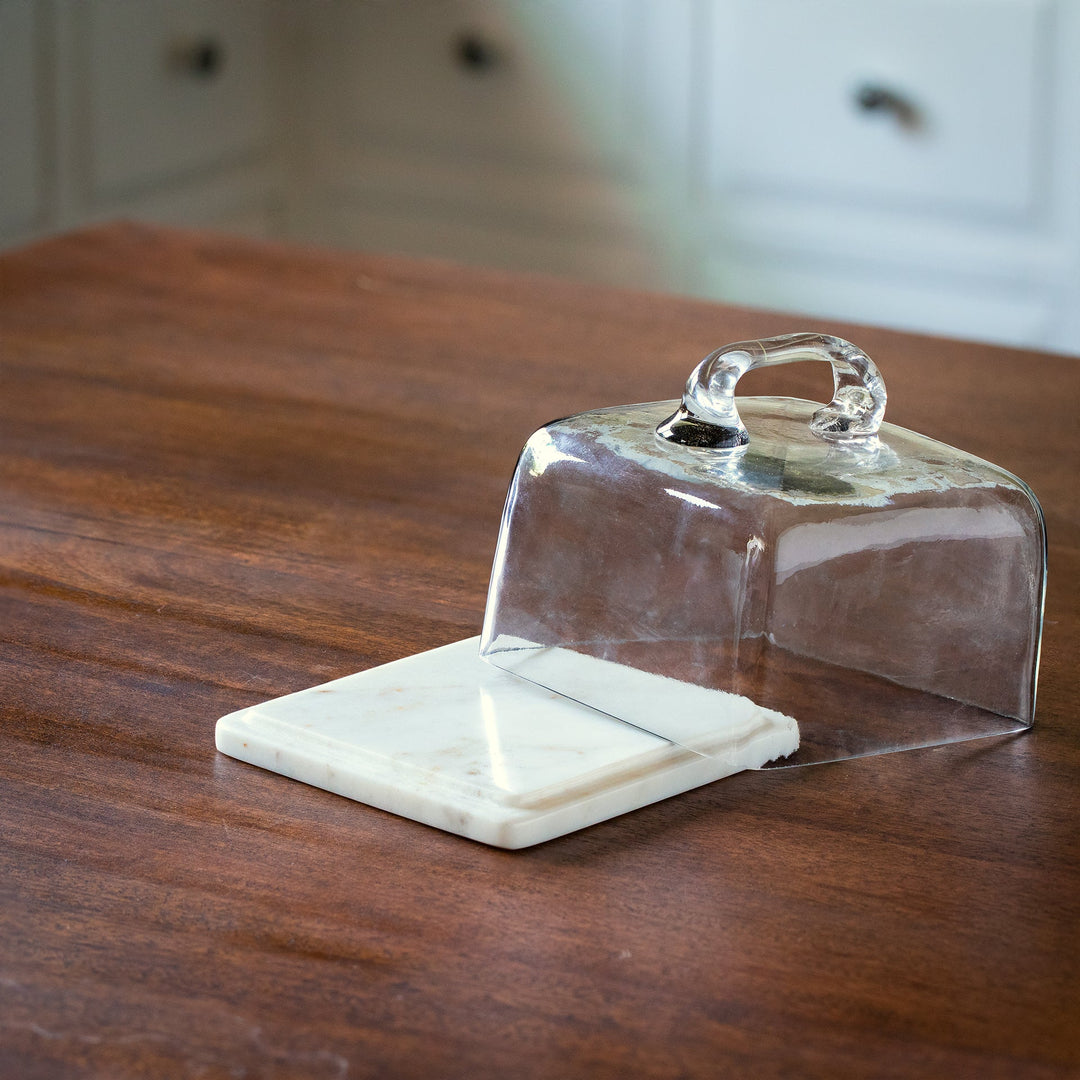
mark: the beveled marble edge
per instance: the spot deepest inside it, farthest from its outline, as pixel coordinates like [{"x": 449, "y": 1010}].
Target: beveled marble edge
[{"x": 486, "y": 821}]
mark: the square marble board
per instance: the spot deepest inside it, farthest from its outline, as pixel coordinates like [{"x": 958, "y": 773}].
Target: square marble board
[{"x": 448, "y": 740}]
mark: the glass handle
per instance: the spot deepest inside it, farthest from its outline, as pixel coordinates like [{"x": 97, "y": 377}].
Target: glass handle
[{"x": 708, "y": 417}]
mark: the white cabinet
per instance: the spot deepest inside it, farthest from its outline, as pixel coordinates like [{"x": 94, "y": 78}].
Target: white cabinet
[{"x": 908, "y": 162}]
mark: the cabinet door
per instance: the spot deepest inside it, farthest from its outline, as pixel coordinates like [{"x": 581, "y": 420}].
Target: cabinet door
[
  {"x": 938, "y": 103},
  {"x": 20, "y": 131},
  {"x": 172, "y": 87}
]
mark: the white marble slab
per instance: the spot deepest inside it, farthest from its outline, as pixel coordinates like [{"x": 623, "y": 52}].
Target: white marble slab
[{"x": 448, "y": 740}]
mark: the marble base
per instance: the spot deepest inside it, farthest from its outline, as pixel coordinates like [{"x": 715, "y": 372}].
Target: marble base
[{"x": 446, "y": 739}]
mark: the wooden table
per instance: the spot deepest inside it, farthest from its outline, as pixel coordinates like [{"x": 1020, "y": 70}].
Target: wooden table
[{"x": 230, "y": 471}]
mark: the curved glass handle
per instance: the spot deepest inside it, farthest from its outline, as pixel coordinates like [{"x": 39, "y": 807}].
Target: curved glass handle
[{"x": 708, "y": 417}]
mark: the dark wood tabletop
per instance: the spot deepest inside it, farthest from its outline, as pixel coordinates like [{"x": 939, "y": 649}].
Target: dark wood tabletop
[{"x": 231, "y": 470}]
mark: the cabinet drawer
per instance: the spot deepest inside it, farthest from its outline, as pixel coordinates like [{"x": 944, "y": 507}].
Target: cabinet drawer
[
  {"x": 20, "y": 134},
  {"x": 530, "y": 81},
  {"x": 172, "y": 87},
  {"x": 940, "y": 103},
  {"x": 907, "y": 300}
]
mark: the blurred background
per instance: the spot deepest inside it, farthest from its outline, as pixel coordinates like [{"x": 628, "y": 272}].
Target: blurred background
[{"x": 911, "y": 163}]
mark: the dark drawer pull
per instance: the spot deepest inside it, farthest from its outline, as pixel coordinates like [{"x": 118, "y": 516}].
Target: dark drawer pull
[
  {"x": 475, "y": 54},
  {"x": 202, "y": 58},
  {"x": 873, "y": 98}
]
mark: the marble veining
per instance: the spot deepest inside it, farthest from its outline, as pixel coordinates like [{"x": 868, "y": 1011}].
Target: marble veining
[{"x": 448, "y": 740}]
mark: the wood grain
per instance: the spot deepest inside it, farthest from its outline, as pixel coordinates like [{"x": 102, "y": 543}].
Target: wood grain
[{"x": 232, "y": 470}]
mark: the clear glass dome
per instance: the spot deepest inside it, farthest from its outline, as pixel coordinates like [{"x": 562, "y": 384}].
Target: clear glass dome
[{"x": 882, "y": 588}]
